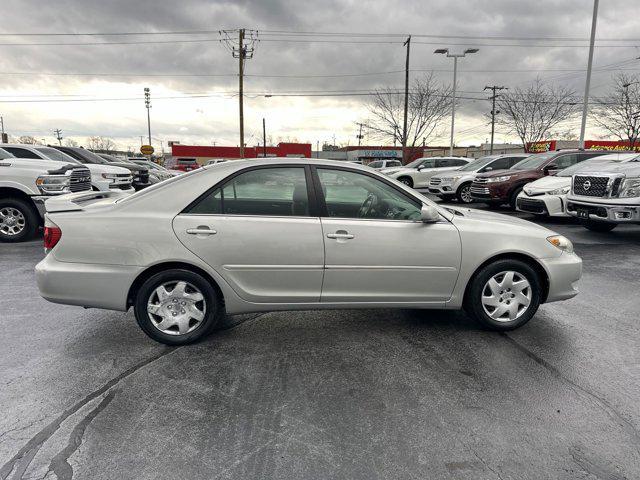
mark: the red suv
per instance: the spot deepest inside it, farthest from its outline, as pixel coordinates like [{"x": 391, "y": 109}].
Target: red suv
[{"x": 503, "y": 186}]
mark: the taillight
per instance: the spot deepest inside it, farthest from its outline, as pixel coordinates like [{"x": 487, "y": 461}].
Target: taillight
[{"x": 52, "y": 234}]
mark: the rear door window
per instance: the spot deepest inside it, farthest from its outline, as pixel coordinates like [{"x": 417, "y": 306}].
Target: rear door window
[{"x": 278, "y": 191}]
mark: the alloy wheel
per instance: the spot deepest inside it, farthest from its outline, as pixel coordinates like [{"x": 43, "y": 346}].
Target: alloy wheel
[
  {"x": 176, "y": 308},
  {"x": 506, "y": 296},
  {"x": 465, "y": 194},
  {"x": 12, "y": 221}
]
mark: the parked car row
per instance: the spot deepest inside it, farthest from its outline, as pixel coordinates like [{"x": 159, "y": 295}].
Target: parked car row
[
  {"x": 32, "y": 173},
  {"x": 599, "y": 187}
]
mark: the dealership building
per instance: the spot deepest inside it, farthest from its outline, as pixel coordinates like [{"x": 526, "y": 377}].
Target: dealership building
[{"x": 203, "y": 153}]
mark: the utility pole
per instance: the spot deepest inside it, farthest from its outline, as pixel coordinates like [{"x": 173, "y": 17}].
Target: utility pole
[
  {"x": 585, "y": 103},
  {"x": 264, "y": 139},
  {"x": 360, "y": 136},
  {"x": 493, "y": 97},
  {"x": 58, "y": 133},
  {"x": 242, "y": 49},
  {"x": 147, "y": 103},
  {"x": 3, "y": 138},
  {"x": 406, "y": 101}
]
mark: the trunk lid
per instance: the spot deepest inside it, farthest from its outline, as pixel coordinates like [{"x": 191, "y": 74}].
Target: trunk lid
[{"x": 82, "y": 200}]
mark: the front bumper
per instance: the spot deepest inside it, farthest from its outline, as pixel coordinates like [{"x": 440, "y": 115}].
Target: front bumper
[
  {"x": 605, "y": 212},
  {"x": 552, "y": 205},
  {"x": 564, "y": 273},
  {"x": 86, "y": 285},
  {"x": 444, "y": 190}
]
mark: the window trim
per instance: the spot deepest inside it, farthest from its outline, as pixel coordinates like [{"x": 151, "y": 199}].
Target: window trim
[
  {"x": 324, "y": 212},
  {"x": 311, "y": 194}
]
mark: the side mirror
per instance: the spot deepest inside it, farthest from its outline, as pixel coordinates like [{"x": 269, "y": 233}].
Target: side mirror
[
  {"x": 551, "y": 170},
  {"x": 429, "y": 214},
  {"x": 420, "y": 167},
  {"x": 488, "y": 169}
]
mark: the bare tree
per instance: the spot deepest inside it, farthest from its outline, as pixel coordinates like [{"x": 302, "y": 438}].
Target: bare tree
[
  {"x": 27, "y": 139},
  {"x": 70, "y": 142},
  {"x": 533, "y": 112},
  {"x": 619, "y": 111},
  {"x": 101, "y": 143},
  {"x": 429, "y": 104}
]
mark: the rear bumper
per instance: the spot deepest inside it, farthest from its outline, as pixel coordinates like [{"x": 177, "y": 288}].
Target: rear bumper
[
  {"x": 564, "y": 273},
  {"x": 86, "y": 285},
  {"x": 616, "y": 213}
]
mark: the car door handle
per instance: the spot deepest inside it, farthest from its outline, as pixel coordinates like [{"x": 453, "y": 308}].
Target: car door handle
[
  {"x": 341, "y": 234},
  {"x": 201, "y": 231}
]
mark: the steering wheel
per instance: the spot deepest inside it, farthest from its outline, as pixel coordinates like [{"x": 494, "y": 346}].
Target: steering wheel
[{"x": 367, "y": 206}]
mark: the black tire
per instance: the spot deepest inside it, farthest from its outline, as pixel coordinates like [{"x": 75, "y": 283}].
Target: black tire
[
  {"x": 30, "y": 220},
  {"x": 460, "y": 193},
  {"x": 214, "y": 311},
  {"x": 473, "y": 299},
  {"x": 407, "y": 181},
  {"x": 602, "y": 227},
  {"x": 514, "y": 197}
]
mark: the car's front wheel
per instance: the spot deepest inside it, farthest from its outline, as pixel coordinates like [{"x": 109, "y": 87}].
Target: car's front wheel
[
  {"x": 464, "y": 193},
  {"x": 504, "y": 295},
  {"x": 177, "y": 307},
  {"x": 407, "y": 181},
  {"x": 18, "y": 220}
]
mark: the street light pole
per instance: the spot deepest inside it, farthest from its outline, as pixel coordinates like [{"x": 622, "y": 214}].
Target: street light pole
[
  {"x": 455, "y": 56},
  {"x": 147, "y": 103},
  {"x": 585, "y": 103}
]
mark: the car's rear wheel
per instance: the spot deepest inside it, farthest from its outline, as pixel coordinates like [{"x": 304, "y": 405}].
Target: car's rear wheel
[
  {"x": 407, "y": 181},
  {"x": 18, "y": 220},
  {"x": 504, "y": 295},
  {"x": 596, "y": 226},
  {"x": 177, "y": 307},
  {"x": 464, "y": 193}
]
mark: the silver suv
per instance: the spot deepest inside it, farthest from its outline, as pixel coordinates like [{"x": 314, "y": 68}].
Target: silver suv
[
  {"x": 606, "y": 198},
  {"x": 458, "y": 183}
]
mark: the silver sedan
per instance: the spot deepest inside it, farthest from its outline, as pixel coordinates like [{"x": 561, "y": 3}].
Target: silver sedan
[{"x": 293, "y": 234}]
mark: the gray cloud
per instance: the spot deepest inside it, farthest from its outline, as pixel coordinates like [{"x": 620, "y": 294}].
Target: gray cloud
[{"x": 559, "y": 18}]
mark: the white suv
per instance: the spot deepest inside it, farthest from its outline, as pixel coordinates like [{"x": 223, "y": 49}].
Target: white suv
[
  {"x": 418, "y": 173},
  {"x": 103, "y": 177},
  {"x": 458, "y": 184}
]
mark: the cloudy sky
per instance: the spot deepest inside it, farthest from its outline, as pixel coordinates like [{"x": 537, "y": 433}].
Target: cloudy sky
[{"x": 86, "y": 89}]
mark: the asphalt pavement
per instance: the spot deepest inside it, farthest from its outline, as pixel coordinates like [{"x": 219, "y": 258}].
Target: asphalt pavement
[{"x": 367, "y": 394}]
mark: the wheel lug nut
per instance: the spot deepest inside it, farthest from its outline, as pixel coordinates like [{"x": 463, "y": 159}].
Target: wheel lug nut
[
  {"x": 174, "y": 314},
  {"x": 169, "y": 307},
  {"x": 182, "y": 303}
]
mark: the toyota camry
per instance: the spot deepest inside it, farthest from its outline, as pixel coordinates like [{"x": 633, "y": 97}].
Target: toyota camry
[{"x": 293, "y": 234}]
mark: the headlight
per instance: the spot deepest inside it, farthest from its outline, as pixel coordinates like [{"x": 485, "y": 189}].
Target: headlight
[
  {"x": 563, "y": 243},
  {"x": 503, "y": 178},
  {"x": 111, "y": 176},
  {"x": 559, "y": 191},
  {"x": 49, "y": 184},
  {"x": 630, "y": 187}
]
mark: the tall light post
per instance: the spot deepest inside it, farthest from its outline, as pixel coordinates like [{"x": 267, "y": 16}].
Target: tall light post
[
  {"x": 455, "y": 56},
  {"x": 585, "y": 102},
  {"x": 147, "y": 103}
]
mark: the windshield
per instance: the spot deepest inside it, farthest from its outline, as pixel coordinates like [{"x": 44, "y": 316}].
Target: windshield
[
  {"x": 476, "y": 164},
  {"x": 54, "y": 154},
  {"x": 534, "y": 161},
  {"x": 569, "y": 171}
]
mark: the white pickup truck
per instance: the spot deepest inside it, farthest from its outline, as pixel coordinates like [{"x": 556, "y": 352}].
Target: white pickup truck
[
  {"x": 606, "y": 197},
  {"x": 25, "y": 184}
]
